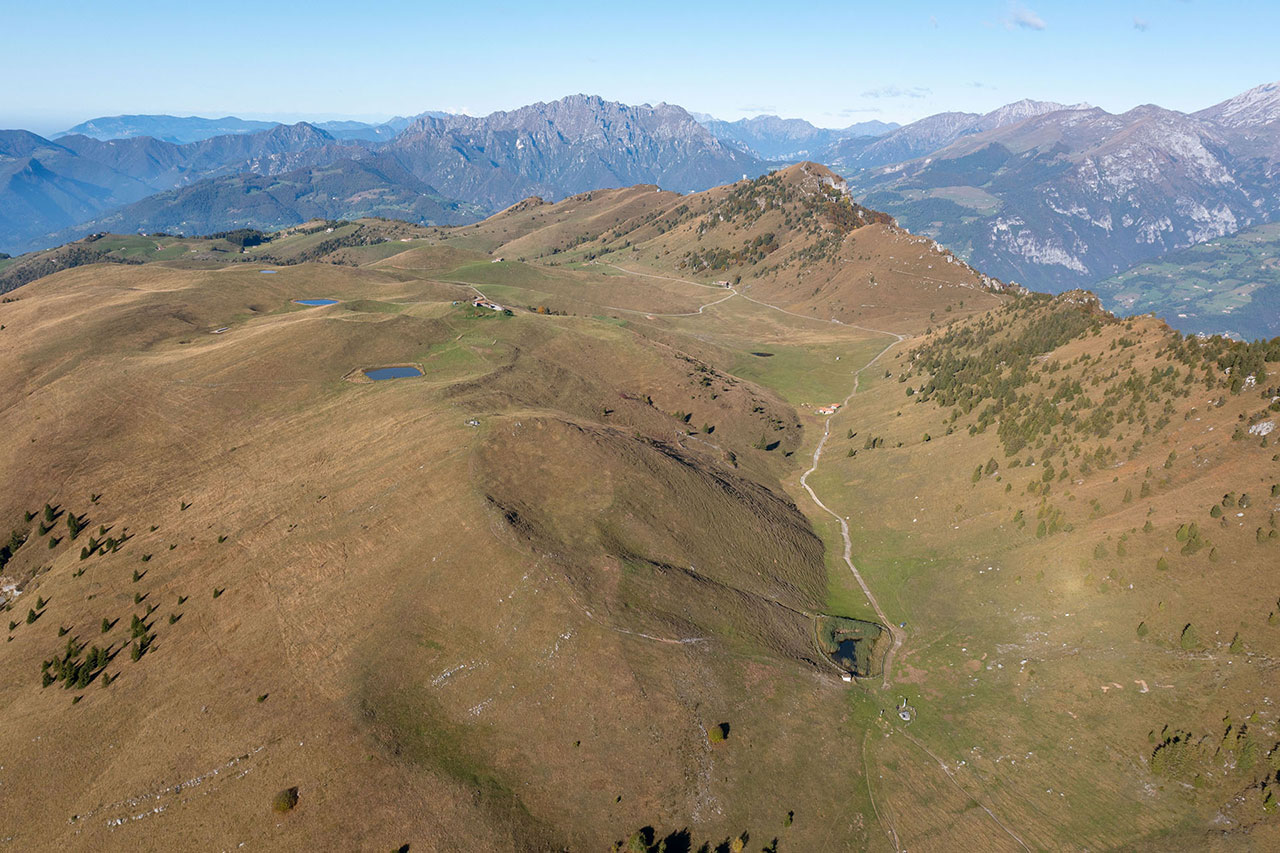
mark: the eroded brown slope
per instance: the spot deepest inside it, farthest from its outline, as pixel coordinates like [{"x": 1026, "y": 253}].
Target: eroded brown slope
[{"x": 333, "y": 591}]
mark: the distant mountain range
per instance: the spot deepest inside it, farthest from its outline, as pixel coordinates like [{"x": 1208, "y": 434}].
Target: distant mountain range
[
  {"x": 51, "y": 190},
  {"x": 1067, "y": 196},
  {"x": 47, "y": 187},
  {"x": 773, "y": 138},
  {"x": 1049, "y": 195},
  {"x": 345, "y": 189},
  {"x": 183, "y": 129}
]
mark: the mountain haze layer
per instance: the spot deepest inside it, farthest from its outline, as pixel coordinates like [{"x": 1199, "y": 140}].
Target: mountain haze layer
[{"x": 774, "y": 138}]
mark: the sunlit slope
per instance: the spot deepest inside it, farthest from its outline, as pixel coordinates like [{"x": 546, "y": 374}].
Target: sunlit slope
[
  {"x": 1076, "y": 520},
  {"x": 568, "y": 584},
  {"x": 375, "y": 592},
  {"x": 792, "y": 238}
]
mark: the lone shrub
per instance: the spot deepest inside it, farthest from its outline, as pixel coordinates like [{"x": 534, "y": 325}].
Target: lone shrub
[
  {"x": 718, "y": 733},
  {"x": 285, "y": 800}
]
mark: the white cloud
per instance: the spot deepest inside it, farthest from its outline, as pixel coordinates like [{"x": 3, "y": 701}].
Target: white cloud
[
  {"x": 898, "y": 92},
  {"x": 1141, "y": 24},
  {"x": 933, "y": 21},
  {"x": 1021, "y": 16}
]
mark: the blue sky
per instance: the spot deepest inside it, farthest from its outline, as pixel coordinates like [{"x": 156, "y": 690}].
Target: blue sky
[{"x": 833, "y": 63}]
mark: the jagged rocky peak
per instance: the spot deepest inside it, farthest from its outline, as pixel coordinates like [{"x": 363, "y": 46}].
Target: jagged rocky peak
[
  {"x": 1025, "y": 109},
  {"x": 1258, "y": 106},
  {"x": 533, "y": 201},
  {"x": 1083, "y": 299}
]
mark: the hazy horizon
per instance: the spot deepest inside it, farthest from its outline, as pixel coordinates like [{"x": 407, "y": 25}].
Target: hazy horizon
[{"x": 833, "y": 64}]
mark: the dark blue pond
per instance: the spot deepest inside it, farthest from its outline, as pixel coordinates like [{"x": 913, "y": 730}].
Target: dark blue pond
[
  {"x": 316, "y": 301},
  {"x": 376, "y": 373}
]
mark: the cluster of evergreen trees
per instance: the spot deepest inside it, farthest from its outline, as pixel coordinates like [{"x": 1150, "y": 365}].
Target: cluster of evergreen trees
[{"x": 73, "y": 670}]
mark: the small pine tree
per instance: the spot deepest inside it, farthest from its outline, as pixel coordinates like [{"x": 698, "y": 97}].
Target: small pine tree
[
  {"x": 1237, "y": 646},
  {"x": 1162, "y": 564}
]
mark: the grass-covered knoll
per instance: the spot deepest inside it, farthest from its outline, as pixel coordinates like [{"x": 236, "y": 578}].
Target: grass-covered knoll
[
  {"x": 329, "y": 241},
  {"x": 791, "y": 238}
]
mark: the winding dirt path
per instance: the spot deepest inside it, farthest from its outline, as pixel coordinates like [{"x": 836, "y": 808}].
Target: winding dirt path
[
  {"x": 731, "y": 294},
  {"x": 896, "y": 635}
]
